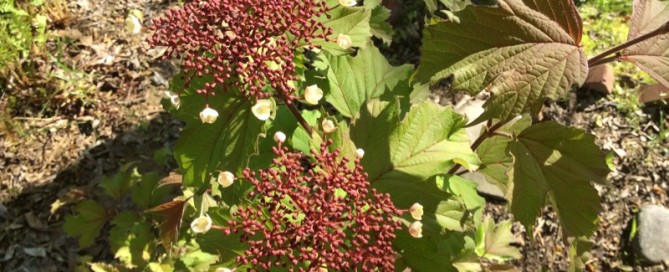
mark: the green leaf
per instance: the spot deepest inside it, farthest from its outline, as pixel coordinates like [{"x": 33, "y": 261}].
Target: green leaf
[
  {"x": 556, "y": 162},
  {"x": 86, "y": 224},
  {"x": 103, "y": 267},
  {"x": 401, "y": 157},
  {"x": 494, "y": 241},
  {"x": 354, "y": 22},
  {"x": 146, "y": 193},
  {"x": 119, "y": 186},
  {"x": 650, "y": 55},
  {"x": 522, "y": 51},
  {"x": 380, "y": 27},
  {"x": 354, "y": 80},
  {"x": 466, "y": 190},
  {"x": 198, "y": 261},
  {"x": 130, "y": 239},
  {"x": 495, "y": 158},
  {"x": 226, "y": 145},
  {"x": 579, "y": 254}
]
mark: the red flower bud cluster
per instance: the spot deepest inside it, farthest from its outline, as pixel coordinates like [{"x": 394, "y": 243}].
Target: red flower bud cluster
[
  {"x": 326, "y": 217},
  {"x": 245, "y": 44}
]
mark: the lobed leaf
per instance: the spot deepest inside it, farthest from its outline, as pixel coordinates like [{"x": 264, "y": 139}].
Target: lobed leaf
[
  {"x": 354, "y": 80},
  {"x": 86, "y": 224},
  {"x": 494, "y": 241},
  {"x": 557, "y": 163},
  {"x": 522, "y": 51},
  {"x": 651, "y": 55}
]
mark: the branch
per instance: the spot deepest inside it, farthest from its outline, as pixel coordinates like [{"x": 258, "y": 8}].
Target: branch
[
  {"x": 490, "y": 131},
  {"x": 298, "y": 116},
  {"x": 659, "y": 31},
  {"x": 606, "y": 60}
]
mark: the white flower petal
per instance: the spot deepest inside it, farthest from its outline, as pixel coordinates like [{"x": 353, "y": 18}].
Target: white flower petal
[
  {"x": 225, "y": 179},
  {"x": 133, "y": 25},
  {"x": 348, "y": 3},
  {"x": 223, "y": 269},
  {"x": 328, "y": 126},
  {"x": 262, "y": 109},
  {"x": 344, "y": 41},
  {"x": 416, "y": 211},
  {"x": 176, "y": 101},
  {"x": 201, "y": 224},
  {"x": 208, "y": 115},
  {"x": 416, "y": 229},
  {"x": 313, "y": 94}
]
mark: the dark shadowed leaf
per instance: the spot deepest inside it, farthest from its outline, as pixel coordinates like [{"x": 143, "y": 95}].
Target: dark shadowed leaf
[
  {"x": 557, "y": 163},
  {"x": 226, "y": 145},
  {"x": 86, "y": 224},
  {"x": 651, "y": 55}
]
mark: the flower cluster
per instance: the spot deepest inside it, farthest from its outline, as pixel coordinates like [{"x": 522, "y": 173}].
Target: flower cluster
[
  {"x": 244, "y": 44},
  {"x": 324, "y": 217}
]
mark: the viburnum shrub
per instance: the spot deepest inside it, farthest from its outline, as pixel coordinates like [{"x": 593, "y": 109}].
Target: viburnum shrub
[
  {"x": 322, "y": 214},
  {"x": 305, "y": 150}
]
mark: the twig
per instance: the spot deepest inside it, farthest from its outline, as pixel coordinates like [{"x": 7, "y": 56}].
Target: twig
[
  {"x": 298, "y": 116},
  {"x": 490, "y": 131},
  {"x": 659, "y": 31}
]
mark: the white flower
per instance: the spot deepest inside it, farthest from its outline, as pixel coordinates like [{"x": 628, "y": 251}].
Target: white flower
[
  {"x": 313, "y": 94},
  {"x": 360, "y": 153},
  {"x": 176, "y": 101},
  {"x": 201, "y": 224},
  {"x": 133, "y": 23},
  {"x": 279, "y": 137},
  {"x": 344, "y": 41},
  {"x": 262, "y": 109},
  {"x": 416, "y": 229},
  {"x": 223, "y": 269},
  {"x": 328, "y": 126},
  {"x": 416, "y": 211},
  {"x": 348, "y": 3},
  {"x": 208, "y": 115},
  {"x": 225, "y": 179}
]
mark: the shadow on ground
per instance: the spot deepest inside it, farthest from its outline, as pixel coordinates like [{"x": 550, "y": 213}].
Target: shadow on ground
[{"x": 32, "y": 238}]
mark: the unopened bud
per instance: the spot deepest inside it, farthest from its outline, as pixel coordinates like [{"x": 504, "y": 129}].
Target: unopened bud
[{"x": 279, "y": 137}]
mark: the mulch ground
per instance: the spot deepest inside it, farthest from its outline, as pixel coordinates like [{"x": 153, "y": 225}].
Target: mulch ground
[{"x": 64, "y": 156}]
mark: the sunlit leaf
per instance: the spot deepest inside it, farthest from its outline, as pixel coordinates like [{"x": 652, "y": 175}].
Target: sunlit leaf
[
  {"x": 494, "y": 241},
  {"x": 130, "y": 239},
  {"x": 650, "y": 55},
  {"x": 354, "y": 80},
  {"x": 521, "y": 51}
]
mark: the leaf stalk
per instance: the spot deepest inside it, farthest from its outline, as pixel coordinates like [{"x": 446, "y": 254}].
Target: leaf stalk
[{"x": 599, "y": 59}]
